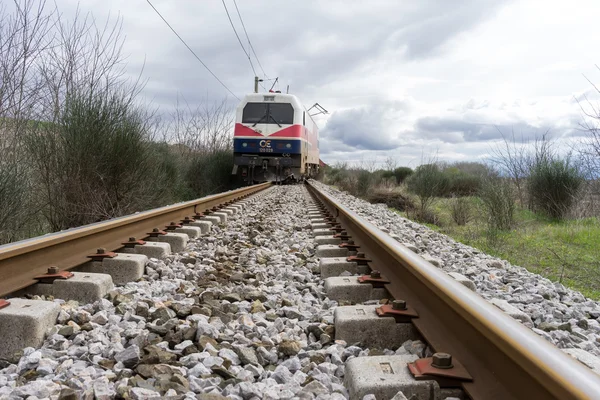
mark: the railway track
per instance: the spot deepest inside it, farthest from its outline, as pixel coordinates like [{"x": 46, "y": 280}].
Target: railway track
[{"x": 266, "y": 307}]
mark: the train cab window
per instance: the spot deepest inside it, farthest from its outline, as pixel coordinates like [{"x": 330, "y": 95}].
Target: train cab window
[
  {"x": 253, "y": 112},
  {"x": 268, "y": 113},
  {"x": 281, "y": 113},
  {"x": 304, "y": 118}
]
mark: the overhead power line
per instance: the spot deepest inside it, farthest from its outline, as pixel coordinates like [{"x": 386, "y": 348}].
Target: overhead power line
[
  {"x": 248, "y": 37},
  {"x": 238, "y": 38},
  {"x": 192, "y": 51}
]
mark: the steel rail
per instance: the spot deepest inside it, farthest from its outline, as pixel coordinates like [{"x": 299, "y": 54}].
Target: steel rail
[
  {"x": 21, "y": 261},
  {"x": 505, "y": 358}
]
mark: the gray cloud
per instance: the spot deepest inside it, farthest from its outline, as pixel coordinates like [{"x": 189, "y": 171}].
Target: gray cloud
[
  {"x": 437, "y": 22},
  {"x": 307, "y": 44},
  {"x": 343, "y": 54},
  {"x": 364, "y": 128},
  {"x": 455, "y": 130}
]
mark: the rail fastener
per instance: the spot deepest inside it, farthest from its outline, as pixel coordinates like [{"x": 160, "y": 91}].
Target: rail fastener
[
  {"x": 350, "y": 245},
  {"x": 187, "y": 221},
  {"x": 375, "y": 279},
  {"x": 359, "y": 259},
  {"x": 399, "y": 310},
  {"x": 442, "y": 368},
  {"x": 343, "y": 235},
  {"x": 172, "y": 226},
  {"x": 156, "y": 233},
  {"x": 53, "y": 274},
  {"x": 132, "y": 242},
  {"x": 101, "y": 254}
]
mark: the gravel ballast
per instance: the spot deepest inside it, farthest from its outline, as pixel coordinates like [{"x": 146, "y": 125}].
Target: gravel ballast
[
  {"x": 560, "y": 315},
  {"x": 241, "y": 313}
]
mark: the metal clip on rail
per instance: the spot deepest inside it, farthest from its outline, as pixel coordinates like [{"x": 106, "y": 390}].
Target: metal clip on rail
[
  {"x": 441, "y": 368},
  {"x": 172, "y": 226},
  {"x": 350, "y": 245},
  {"x": 359, "y": 259},
  {"x": 374, "y": 279},
  {"x": 343, "y": 235},
  {"x": 187, "y": 221},
  {"x": 132, "y": 242},
  {"x": 53, "y": 274},
  {"x": 156, "y": 232},
  {"x": 101, "y": 254},
  {"x": 398, "y": 310}
]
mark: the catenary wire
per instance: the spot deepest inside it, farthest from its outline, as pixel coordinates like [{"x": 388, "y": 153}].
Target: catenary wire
[
  {"x": 249, "y": 42},
  {"x": 190, "y": 49},
  {"x": 238, "y": 38}
]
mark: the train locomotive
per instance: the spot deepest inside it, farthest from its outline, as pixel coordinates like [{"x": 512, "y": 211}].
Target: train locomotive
[{"x": 274, "y": 139}]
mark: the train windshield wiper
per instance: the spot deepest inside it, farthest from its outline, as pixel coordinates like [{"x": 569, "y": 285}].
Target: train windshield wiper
[
  {"x": 274, "y": 120},
  {"x": 261, "y": 118}
]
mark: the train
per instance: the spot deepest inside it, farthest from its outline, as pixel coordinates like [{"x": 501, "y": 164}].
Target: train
[{"x": 275, "y": 139}]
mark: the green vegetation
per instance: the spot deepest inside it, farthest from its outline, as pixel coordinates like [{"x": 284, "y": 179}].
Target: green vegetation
[
  {"x": 553, "y": 185},
  {"x": 77, "y": 144},
  {"x": 562, "y": 251},
  {"x": 401, "y": 173},
  {"x": 547, "y": 223}
]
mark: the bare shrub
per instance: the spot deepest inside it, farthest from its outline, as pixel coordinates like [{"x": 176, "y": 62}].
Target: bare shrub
[
  {"x": 91, "y": 151},
  {"x": 209, "y": 173},
  {"x": 76, "y": 145},
  {"x": 205, "y": 128},
  {"x": 426, "y": 216},
  {"x": 364, "y": 182},
  {"x": 14, "y": 199},
  {"x": 23, "y": 37},
  {"x": 513, "y": 159},
  {"x": 587, "y": 203},
  {"x": 589, "y": 150},
  {"x": 461, "y": 212},
  {"x": 95, "y": 162},
  {"x": 334, "y": 174},
  {"x": 391, "y": 199},
  {"x": 202, "y": 141},
  {"x": 427, "y": 182},
  {"x": 497, "y": 196},
  {"x": 348, "y": 183}
]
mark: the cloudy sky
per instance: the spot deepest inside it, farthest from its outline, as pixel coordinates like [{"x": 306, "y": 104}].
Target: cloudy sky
[{"x": 406, "y": 79}]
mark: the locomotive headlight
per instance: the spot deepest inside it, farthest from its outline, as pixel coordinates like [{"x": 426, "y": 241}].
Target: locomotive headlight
[
  {"x": 289, "y": 145},
  {"x": 244, "y": 144}
]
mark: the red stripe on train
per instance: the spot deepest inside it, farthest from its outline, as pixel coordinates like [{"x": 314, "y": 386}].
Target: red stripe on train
[{"x": 291, "y": 131}]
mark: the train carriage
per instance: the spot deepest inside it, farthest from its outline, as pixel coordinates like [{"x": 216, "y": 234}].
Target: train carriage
[{"x": 275, "y": 139}]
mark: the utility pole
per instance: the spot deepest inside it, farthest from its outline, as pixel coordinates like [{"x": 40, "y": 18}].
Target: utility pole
[{"x": 256, "y": 80}]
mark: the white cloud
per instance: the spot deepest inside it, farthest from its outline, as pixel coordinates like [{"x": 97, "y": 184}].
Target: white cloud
[{"x": 399, "y": 78}]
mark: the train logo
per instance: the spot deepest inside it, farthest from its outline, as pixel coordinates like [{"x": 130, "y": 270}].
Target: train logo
[{"x": 265, "y": 143}]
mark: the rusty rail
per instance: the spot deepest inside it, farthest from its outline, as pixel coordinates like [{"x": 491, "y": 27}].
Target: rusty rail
[
  {"x": 506, "y": 359},
  {"x": 21, "y": 261}
]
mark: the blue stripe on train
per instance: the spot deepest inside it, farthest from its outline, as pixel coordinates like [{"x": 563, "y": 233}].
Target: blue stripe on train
[{"x": 267, "y": 146}]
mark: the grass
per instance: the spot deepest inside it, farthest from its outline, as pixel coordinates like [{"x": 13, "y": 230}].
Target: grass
[{"x": 565, "y": 252}]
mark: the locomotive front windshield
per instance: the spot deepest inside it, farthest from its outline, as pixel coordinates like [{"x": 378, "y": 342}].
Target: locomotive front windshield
[{"x": 268, "y": 113}]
